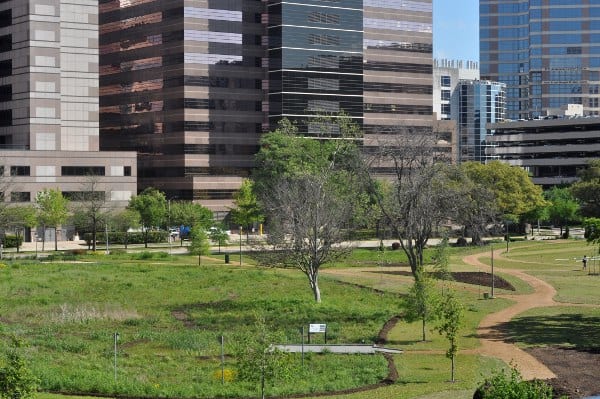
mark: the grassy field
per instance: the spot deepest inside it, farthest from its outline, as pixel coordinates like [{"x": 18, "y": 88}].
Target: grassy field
[{"x": 170, "y": 314}]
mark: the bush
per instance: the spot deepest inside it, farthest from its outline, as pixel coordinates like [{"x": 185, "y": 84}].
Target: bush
[
  {"x": 567, "y": 233},
  {"x": 395, "y": 246},
  {"x": 129, "y": 238},
  {"x": 461, "y": 242},
  {"x": 11, "y": 241},
  {"x": 503, "y": 386}
]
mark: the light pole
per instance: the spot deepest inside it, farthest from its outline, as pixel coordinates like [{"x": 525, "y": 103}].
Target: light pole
[
  {"x": 507, "y": 238},
  {"x": 492, "y": 246},
  {"x": 169, "y": 224},
  {"x": 240, "y": 245},
  {"x": 116, "y": 338}
]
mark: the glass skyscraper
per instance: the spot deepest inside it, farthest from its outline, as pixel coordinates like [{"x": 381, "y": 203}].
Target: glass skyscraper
[{"x": 546, "y": 51}]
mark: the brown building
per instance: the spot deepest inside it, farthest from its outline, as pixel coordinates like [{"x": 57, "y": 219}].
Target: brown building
[{"x": 191, "y": 85}]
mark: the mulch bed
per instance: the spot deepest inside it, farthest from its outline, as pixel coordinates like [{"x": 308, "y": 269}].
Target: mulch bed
[
  {"x": 576, "y": 370},
  {"x": 475, "y": 278}
]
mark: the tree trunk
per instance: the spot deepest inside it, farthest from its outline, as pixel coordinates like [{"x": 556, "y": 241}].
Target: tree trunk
[
  {"x": 43, "y": 237},
  {"x": 94, "y": 235},
  {"x": 199, "y": 260},
  {"x": 423, "y": 326},
  {"x": 55, "y": 239},
  {"x": 314, "y": 284},
  {"x": 452, "y": 369}
]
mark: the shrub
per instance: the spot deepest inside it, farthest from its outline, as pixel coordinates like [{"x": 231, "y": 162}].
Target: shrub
[
  {"x": 461, "y": 242},
  {"x": 503, "y": 386},
  {"x": 227, "y": 375},
  {"x": 129, "y": 238},
  {"x": 11, "y": 241},
  {"x": 395, "y": 246}
]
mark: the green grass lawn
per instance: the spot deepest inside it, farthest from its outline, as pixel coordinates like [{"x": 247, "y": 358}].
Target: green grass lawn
[{"x": 170, "y": 314}]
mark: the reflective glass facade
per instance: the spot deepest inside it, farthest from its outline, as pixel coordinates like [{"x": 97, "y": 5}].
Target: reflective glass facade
[
  {"x": 544, "y": 50},
  {"x": 480, "y": 102},
  {"x": 192, "y": 85},
  {"x": 315, "y": 60}
]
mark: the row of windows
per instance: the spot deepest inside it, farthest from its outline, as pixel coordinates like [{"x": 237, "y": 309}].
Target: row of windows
[
  {"x": 19, "y": 170},
  {"x": 400, "y": 46},
  {"x": 399, "y": 109}
]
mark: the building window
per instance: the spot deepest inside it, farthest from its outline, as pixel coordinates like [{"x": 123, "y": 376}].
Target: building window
[
  {"x": 20, "y": 171},
  {"x": 6, "y": 117},
  {"x": 445, "y": 95},
  {"x": 127, "y": 171},
  {"x": 6, "y": 18},
  {"x": 446, "y": 109},
  {"x": 82, "y": 171},
  {"x": 20, "y": 196},
  {"x": 445, "y": 81}
]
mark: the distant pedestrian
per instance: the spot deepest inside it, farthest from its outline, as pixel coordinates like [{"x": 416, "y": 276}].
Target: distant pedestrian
[{"x": 584, "y": 261}]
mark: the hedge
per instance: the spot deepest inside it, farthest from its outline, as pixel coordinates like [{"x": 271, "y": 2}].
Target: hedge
[{"x": 121, "y": 237}]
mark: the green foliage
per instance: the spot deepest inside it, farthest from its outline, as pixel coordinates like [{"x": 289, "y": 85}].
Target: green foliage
[
  {"x": 218, "y": 235},
  {"x": 563, "y": 207},
  {"x": 11, "y": 241},
  {"x": 514, "y": 191},
  {"x": 450, "y": 321},
  {"x": 151, "y": 205},
  {"x": 587, "y": 189},
  {"x": 247, "y": 211},
  {"x": 186, "y": 213},
  {"x": 511, "y": 386},
  {"x": 124, "y": 238},
  {"x": 441, "y": 259},
  {"x": 199, "y": 244},
  {"x": 256, "y": 358},
  {"x": 52, "y": 207},
  {"x": 422, "y": 300},
  {"x": 16, "y": 379}
]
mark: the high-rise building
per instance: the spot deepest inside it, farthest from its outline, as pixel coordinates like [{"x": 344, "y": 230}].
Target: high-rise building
[
  {"x": 480, "y": 102},
  {"x": 49, "y": 120},
  {"x": 446, "y": 76},
  {"x": 193, "y": 85},
  {"x": 545, "y": 51}
]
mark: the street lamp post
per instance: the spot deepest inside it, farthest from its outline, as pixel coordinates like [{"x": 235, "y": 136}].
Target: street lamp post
[
  {"x": 492, "y": 246},
  {"x": 507, "y": 238},
  {"x": 169, "y": 224}
]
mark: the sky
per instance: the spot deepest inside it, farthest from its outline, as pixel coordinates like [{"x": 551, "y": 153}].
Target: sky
[{"x": 456, "y": 29}]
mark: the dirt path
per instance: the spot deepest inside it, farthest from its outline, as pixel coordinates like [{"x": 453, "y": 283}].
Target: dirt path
[{"x": 493, "y": 339}]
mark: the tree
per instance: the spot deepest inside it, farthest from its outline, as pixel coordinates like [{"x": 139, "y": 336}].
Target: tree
[
  {"x": 124, "y": 220},
  {"x": 90, "y": 208},
  {"x": 422, "y": 300},
  {"x": 420, "y": 196},
  {"x": 514, "y": 192},
  {"x": 562, "y": 207},
  {"x": 218, "y": 235},
  {"x": 257, "y": 359},
  {"x": 512, "y": 386},
  {"x": 451, "y": 319},
  {"x": 308, "y": 187},
  {"x": 587, "y": 189},
  {"x": 151, "y": 205},
  {"x": 52, "y": 210},
  {"x": 16, "y": 380},
  {"x": 186, "y": 213},
  {"x": 247, "y": 210},
  {"x": 19, "y": 218},
  {"x": 199, "y": 244}
]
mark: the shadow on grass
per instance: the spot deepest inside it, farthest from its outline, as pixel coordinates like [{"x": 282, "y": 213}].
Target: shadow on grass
[{"x": 576, "y": 330}]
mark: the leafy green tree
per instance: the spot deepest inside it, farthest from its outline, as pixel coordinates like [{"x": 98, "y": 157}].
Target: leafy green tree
[
  {"x": 308, "y": 188},
  {"x": 19, "y": 218},
  {"x": 151, "y": 205},
  {"x": 562, "y": 208},
  {"x": 186, "y": 213},
  {"x": 587, "y": 190},
  {"x": 52, "y": 211},
  {"x": 514, "y": 192},
  {"x": 257, "y": 359},
  {"x": 247, "y": 210},
  {"x": 124, "y": 220},
  {"x": 218, "y": 235},
  {"x": 199, "y": 244},
  {"x": 450, "y": 322},
  {"x": 16, "y": 379},
  {"x": 422, "y": 301}
]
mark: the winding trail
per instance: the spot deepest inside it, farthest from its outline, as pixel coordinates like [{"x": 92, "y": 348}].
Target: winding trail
[{"x": 494, "y": 340}]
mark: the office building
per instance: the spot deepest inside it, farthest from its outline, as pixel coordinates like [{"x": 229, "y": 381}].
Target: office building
[
  {"x": 479, "y": 102},
  {"x": 49, "y": 120},
  {"x": 545, "y": 51},
  {"x": 193, "y": 85},
  {"x": 446, "y": 75},
  {"x": 551, "y": 149}
]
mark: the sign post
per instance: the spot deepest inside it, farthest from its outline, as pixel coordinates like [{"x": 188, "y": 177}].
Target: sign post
[{"x": 317, "y": 329}]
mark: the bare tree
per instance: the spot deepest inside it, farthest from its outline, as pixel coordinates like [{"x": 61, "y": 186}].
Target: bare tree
[
  {"x": 419, "y": 197},
  {"x": 306, "y": 220}
]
